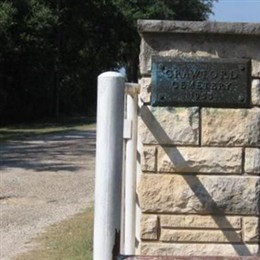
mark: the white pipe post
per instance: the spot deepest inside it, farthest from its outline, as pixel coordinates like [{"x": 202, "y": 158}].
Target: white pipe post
[
  {"x": 130, "y": 174},
  {"x": 110, "y": 117}
]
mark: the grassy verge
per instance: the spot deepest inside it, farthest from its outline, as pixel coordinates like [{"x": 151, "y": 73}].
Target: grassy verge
[
  {"x": 21, "y": 131},
  {"x": 69, "y": 240}
]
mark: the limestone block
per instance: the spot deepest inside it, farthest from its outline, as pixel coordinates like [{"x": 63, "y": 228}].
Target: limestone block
[
  {"x": 196, "y": 46},
  {"x": 197, "y": 221},
  {"x": 175, "y": 249},
  {"x": 255, "y": 67},
  {"x": 148, "y": 159},
  {"x": 145, "y": 93},
  {"x": 235, "y": 195},
  {"x": 252, "y": 160},
  {"x": 256, "y": 92},
  {"x": 149, "y": 227},
  {"x": 168, "y": 125},
  {"x": 251, "y": 229},
  {"x": 231, "y": 127},
  {"x": 200, "y": 159},
  {"x": 225, "y": 236},
  {"x": 147, "y": 51}
]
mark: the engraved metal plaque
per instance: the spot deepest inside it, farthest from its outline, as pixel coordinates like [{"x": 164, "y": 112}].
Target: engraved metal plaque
[{"x": 201, "y": 82}]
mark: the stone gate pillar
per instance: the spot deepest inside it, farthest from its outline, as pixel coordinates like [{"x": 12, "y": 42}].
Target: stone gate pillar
[{"x": 199, "y": 149}]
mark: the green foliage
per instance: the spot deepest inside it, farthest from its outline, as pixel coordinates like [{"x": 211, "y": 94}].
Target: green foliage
[
  {"x": 6, "y": 16},
  {"x": 51, "y": 51},
  {"x": 41, "y": 19}
]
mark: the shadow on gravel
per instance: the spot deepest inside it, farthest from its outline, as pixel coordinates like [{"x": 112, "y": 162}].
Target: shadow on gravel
[{"x": 66, "y": 151}]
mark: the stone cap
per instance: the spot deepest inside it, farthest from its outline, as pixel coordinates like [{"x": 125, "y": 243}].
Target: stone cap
[{"x": 192, "y": 27}]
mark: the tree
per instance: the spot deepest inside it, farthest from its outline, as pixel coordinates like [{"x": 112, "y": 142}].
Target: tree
[
  {"x": 133, "y": 10},
  {"x": 51, "y": 51},
  {"x": 26, "y": 64}
]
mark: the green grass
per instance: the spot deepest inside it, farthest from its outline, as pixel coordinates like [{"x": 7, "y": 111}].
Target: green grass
[
  {"x": 68, "y": 240},
  {"x": 22, "y": 131}
]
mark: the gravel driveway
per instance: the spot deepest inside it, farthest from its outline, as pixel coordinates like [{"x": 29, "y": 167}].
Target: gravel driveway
[{"x": 43, "y": 180}]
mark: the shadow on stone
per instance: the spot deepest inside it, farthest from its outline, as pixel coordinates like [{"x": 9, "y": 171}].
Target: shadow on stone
[{"x": 209, "y": 204}]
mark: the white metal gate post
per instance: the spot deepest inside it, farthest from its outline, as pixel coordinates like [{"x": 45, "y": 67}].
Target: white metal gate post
[
  {"x": 130, "y": 170},
  {"x": 110, "y": 118}
]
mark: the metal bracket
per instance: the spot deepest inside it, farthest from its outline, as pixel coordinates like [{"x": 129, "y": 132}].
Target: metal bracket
[{"x": 127, "y": 129}]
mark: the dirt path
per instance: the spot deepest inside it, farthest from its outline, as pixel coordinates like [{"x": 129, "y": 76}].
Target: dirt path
[{"x": 42, "y": 181}]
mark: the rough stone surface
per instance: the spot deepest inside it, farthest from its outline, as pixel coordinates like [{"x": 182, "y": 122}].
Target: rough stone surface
[
  {"x": 199, "y": 194},
  {"x": 149, "y": 227},
  {"x": 251, "y": 229},
  {"x": 148, "y": 159},
  {"x": 256, "y": 92},
  {"x": 165, "y": 125},
  {"x": 255, "y": 68},
  {"x": 197, "y": 221},
  {"x": 145, "y": 93},
  {"x": 200, "y": 159},
  {"x": 199, "y": 45},
  {"x": 231, "y": 127},
  {"x": 198, "y": 27},
  {"x": 252, "y": 160},
  {"x": 173, "y": 249},
  {"x": 168, "y": 235},
  {"x": 192, "y": 171}
]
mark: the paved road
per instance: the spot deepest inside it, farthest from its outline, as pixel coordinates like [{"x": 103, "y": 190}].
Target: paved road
[{"x": 42, "y": 181}]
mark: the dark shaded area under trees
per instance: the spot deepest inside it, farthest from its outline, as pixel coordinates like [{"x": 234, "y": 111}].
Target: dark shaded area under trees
[{"x": 51, "y": 51}]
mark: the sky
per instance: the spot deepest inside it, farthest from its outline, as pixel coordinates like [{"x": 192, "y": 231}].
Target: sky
[{"x": 236, "y": 11}]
